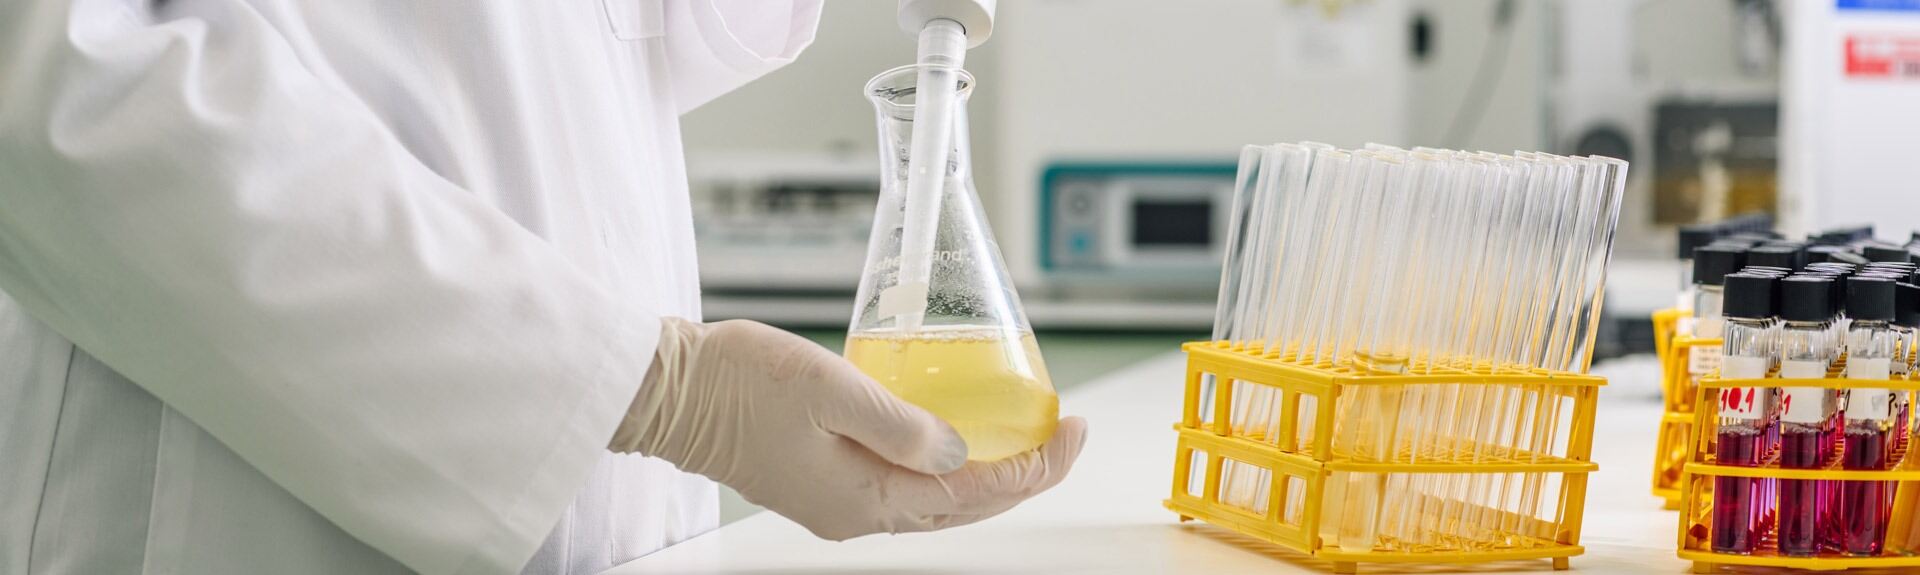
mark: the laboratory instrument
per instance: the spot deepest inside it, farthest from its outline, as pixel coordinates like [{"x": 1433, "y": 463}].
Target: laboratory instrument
[{"x": 1153, "y": 230}]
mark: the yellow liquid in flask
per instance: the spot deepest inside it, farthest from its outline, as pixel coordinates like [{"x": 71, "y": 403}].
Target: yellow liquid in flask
[{"x": 994, "y": 391}]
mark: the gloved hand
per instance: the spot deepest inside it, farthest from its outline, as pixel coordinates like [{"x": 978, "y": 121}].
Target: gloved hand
[{"x": 801, "y": 431}]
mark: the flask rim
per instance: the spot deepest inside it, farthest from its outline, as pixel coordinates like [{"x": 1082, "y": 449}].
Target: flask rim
[{"x": 893, "y": 89}]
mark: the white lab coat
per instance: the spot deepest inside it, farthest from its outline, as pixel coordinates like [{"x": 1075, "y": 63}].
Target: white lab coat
[{"x": 347, "y": 286}]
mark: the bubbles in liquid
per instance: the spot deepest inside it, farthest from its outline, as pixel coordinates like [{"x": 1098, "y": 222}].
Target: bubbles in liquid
[{"x": 989, "y": 384}]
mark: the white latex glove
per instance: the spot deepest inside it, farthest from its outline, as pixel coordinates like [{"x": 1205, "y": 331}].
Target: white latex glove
[{"x": 801, "y": 431}]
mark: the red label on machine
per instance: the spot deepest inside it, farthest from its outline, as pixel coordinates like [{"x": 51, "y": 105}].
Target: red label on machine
[{"x": 1883, "y": 56}]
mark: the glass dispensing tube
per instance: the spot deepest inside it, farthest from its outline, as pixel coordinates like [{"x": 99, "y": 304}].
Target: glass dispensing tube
[
  {"x": 1749, "y": 352},
  {"x": 1869, "y": 415},
  {"x": 1806, "y": 440}
]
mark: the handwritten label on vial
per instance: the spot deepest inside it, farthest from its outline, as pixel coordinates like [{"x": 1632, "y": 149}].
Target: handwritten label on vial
[
  {"x": 1703, "y": 359},
  {"x": 1869, "y": 404},
  {"x": 1743, "y": 402},
  {"x": 1805, "y": 404}
]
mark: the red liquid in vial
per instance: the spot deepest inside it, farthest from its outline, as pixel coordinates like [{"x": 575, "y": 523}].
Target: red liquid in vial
[
  {"x": 1801, "y": 501},
  {"x": 1736, "y": 512},
  {"x": 1863, "y": 504}
]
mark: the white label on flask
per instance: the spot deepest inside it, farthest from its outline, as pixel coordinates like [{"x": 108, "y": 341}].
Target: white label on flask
[
  {"x": 1744, "y": 367},
  {"x": 1703, "y": 359},
  {"x": 1803, "y": 369},
  {"x": 1743, "y": 402},
  {"x": 1880, "y": 368},
  {"x": 1869, "y": 404},
  {"x": 903, "y": 299}
]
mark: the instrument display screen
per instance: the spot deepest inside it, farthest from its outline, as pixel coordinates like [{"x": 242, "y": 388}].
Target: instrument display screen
[{"x": 1161, "y": 222}]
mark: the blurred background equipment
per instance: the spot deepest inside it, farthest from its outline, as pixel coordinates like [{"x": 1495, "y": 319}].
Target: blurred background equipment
[
  {"x": 1721, "y": 113},
  {"x": 1148, "y": 230}
]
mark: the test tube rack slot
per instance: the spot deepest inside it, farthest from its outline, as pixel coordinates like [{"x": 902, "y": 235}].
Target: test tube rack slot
[
  {"x": 1302, "y": 461},
  {"x": 1677, "y": 394},
  {"x": 1697, "y": 481}
]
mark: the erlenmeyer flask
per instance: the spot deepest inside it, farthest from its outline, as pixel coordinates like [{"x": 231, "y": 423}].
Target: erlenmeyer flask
[{"x": 959, "y": 344}]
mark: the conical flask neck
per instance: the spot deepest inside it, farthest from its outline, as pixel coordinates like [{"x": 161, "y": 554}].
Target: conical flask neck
[
  {"x": 963, "y": 281},
  {"x": 893, "y": 97}
]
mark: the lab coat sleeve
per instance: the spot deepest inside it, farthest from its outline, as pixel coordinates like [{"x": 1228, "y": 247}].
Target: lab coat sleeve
[
  {"x": 187, "y": 202},
  {"x": 714, "y": 46}
]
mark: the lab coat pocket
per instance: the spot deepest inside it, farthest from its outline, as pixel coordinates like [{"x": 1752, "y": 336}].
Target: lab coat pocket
[{"x": 636, "y": 19}]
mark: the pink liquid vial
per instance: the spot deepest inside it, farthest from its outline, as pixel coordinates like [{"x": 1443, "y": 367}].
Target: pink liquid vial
[
  {"x": 1737, "y": 511},
  {"x": 1803, "y": 510},
  {"x": 1864, "y": 505}
]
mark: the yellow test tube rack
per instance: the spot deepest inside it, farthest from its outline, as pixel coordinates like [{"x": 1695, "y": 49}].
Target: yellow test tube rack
[
  {"x": 1302, "y": 456},
  {"x": 1900, "y": 550},
  {"x": 1676, "y": 389}
]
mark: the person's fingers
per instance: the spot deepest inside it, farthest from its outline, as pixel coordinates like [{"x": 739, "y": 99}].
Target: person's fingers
[
  {"x": 860, "y": 409},
  {"x": 988, "y": 488}
]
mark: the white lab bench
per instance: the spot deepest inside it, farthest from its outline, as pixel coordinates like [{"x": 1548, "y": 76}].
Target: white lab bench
[{"x": 1107, "y": 516}]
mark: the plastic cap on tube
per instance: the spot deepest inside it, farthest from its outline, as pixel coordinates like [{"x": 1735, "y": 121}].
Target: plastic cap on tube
[
  {"x": 1774, "y": 256},
  {"x": 1806, "y": 298},
  {"x": 1750, "y": 296},
  {"x": 1822, "y": 253},
  {"x": 1694, "y": 236},
  {"x": 1750, "y": 222},
  {"x": 1906, "y": 304},
  {"x": 1712, "y": 263},
  {"x": 1870, "y": 298},
  {"x": 1851, "y": 258},
  {"x": 1844, "y": 235},
  {"x": 1884, "y": 253}
]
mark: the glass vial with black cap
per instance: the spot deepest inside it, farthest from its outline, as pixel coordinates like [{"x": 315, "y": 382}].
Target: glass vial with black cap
[
  {"x": 1884, "y": 253},
  {"x": 1711, "y": 264},
  {"x": 1779, "y": 256},
  {"x": 1807, "y": 348},
  {"x": 1740, "y": 503},
  {"x": 1691, "y": 237},
  {"x": 1864, "y": 508}
]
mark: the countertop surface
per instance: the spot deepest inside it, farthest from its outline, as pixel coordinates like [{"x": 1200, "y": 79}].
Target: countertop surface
[{"x": 1107, "y": 516}]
